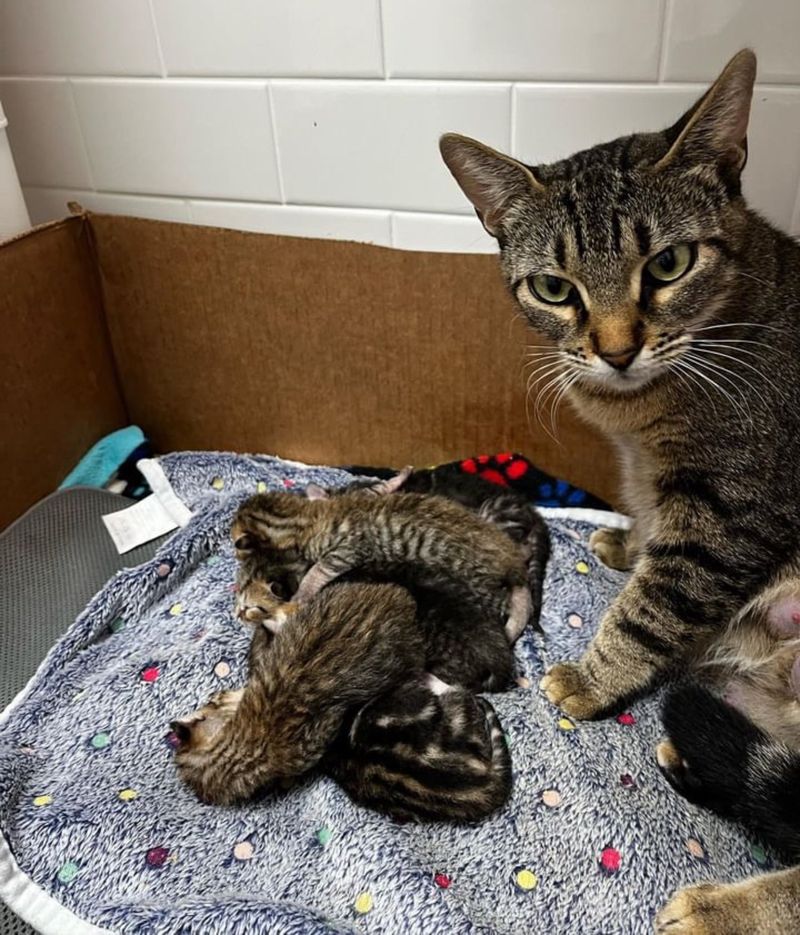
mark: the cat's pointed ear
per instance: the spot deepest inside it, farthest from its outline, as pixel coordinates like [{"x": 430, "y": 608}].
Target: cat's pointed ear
[
  {"x": 714, "y": 130},
  {"x": 492, "y": 181}
]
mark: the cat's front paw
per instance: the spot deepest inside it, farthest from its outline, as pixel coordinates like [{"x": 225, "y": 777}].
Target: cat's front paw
[
  {"x": 568, "y": 686},
  {"x": 611, "y": 547},
  {"x": 708, "y": 909}
]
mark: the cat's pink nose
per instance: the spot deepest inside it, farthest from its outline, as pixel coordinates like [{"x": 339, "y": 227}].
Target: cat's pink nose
[{"x": 620, "y": 359}]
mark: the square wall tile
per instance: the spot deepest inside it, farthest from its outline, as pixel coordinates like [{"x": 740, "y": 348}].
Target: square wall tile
[
  {"x": 701, "y": 37},
  {"x": 77, "y": 37},
  {"x": 371, "y": 144},
  {"x": 201, "y": 138},
  {"x": 441, "y": 233},
  {"x": 554, "y": 122},
  {"x": 295, "y": 221},
  {"x": 44, "y": 132},
  {"x": 281, "y": 37},
  {"x": 523, "y": 39}
]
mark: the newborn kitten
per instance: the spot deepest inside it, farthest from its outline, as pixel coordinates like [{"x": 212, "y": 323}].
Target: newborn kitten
[
  {"x": 351, "y": 643},
  {"x": 425, "y": 751},
  {"x": 422, "y": 541}
]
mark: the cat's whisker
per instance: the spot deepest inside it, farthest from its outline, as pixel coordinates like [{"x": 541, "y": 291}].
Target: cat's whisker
[
  {"x": 743, "y": 363},
  {"x": 725, "y": 345},
  {"x": 676, "y": 364},
  {"x": 574, "y": 377},
  {"x": 738, "y": 324},
  {"x": 721, "y": 373}
]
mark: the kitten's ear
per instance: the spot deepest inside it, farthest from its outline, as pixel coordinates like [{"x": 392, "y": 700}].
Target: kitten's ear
[
  {"x": 492, "y": 182},
  {"x": 182, "y": 730},
  {"x": 714, "y": 130},
  {"x": 315, "y": 492}
]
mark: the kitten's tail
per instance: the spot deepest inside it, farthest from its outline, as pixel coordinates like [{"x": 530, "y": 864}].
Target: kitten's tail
[
  {"x": 718, "y": 758},
  {"x": 500, "y": 755}
]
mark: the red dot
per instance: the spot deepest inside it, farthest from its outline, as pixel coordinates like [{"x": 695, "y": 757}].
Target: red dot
[
  {"x": 150, "y": 674},
  {"x": 610, "y": 860},
  {"x": 469, "y": 466},
  {"x": 483, "y": 459},
  {"x": 156, "y": 856},
  {"x": 516, "y": 469},
  {"x": 494, "y": 476},
  {"x": 288, "y": 482},
  {"x": 443, "y": 880},
  {"x": 503, "y": 457},
  {"x": 626, "y": 718}
]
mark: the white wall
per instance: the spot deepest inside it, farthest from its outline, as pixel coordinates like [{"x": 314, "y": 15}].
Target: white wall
[{"x": 321, "y": 117}]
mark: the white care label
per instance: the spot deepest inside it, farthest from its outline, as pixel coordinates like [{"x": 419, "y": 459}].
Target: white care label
[{"x": 138, "y": 524}]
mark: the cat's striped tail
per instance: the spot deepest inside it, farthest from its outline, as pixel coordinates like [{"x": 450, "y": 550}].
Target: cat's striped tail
[{"x": 715, "y": 756}]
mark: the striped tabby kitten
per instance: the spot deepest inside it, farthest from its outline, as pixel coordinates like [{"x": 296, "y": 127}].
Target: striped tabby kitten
[
  {"x": 334, "y": 653},
  {"x": 426, "y": 751},
  {"x": 670, "y": 309},
  {"x": 420, "y": 541}
]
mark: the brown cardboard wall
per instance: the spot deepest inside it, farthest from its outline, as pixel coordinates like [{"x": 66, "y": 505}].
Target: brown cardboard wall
[
  {"x": 323, "y": 351},
  {"x": 59, "y": 388}
]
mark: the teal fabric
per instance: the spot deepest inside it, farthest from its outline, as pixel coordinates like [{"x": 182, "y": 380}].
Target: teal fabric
[{"x": 101, "y": 462}]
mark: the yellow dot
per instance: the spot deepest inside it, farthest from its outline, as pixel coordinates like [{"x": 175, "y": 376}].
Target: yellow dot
[
  {"x": 523, "y": 682},
  {"x": 218, "y": 483},
  {"x": 363, "y": 903},
  {"x": 43, "y": 800},
  {"x": 527, "y": 880},
  {"x": 565, "y": 724},
  {"x": 261, "y": 487},
  {"x": 176, "y": 609},
  {"x": 695, "y": 848},
  {"x": 582, "y": 568},
  {"x": 128, "y": 795}
]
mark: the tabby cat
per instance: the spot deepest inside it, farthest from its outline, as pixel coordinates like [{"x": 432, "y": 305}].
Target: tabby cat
[
  {"x": 418, "y": 540},
  {"x": 670, "y": 312},
  {"x": 337, "y": 652}
]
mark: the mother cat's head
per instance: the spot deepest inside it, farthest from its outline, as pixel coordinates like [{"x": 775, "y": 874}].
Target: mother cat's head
[{"x": 622, "y": 252}]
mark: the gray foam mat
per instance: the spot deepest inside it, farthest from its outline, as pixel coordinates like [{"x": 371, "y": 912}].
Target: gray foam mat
[{"x": 53, "y": 559}]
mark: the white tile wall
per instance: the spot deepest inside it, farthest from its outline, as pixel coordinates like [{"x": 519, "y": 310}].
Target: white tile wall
[
  {"x": 321, "y": 118},
  {"x": 374, "y": 144},
  {"x": 280, "y": 37},
  {"x": 544, "y": 39}
]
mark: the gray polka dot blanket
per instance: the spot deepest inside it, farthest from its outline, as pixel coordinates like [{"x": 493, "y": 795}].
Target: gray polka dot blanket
[{"x": 98, "y": 834}]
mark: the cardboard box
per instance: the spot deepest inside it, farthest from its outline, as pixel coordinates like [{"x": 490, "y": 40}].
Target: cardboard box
[{"x": 324, "y": 351}]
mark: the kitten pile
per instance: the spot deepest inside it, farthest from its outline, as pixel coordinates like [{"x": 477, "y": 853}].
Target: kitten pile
[{"x": 403, "y": 604}]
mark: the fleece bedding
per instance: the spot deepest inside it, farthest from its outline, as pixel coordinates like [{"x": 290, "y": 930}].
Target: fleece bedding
[{"x": 98, "y": 834}]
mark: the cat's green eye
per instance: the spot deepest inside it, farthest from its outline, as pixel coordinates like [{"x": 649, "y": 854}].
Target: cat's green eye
[
  {"x": 550, "y": 289},
  {"x": 671, "y": 263}
]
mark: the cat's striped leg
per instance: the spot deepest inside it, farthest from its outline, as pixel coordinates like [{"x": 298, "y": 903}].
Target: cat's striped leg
[
  {"x": 315, "y": 579},
  {"x": 520, "y": 610}
]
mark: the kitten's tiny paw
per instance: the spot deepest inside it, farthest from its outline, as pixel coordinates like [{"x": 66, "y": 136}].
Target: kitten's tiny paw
[
  {"x": 706, "y": 909},
  {"x": 610, "y": 546},
  {"x": 566, "y": 685}
]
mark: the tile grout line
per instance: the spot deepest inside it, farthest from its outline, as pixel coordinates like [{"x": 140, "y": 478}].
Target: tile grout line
[
  {"x": 512, "y": 122},
  {"x": 666, "y": 22},
  {"x": 382, "y": 37},
  {"x": 159, "y": 51},
  {"x": 82, "y": 133},
  {"x": 275, "y": 147}
]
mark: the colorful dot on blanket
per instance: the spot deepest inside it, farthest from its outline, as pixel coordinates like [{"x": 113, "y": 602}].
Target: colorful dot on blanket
[
  {"x": 217, "y": 483},
  {"x": 565, "y": 724},
  {"x": 149, "y": 673},
  {"x": 525, "y": 879},
  {"x": 100, "y": 740},
  {"x": 68, "y": 872},
  {"x": 695, "y": 848},
  {"x": 128, "y": 795},
  {"x": 523, "y": 682},
  {"x": 582, "y": 568},
  {"x": 156, "y": 856},
  {"x": 574, "y": 534},
  {"x": 495, "y": 477},
  {"x": 627, "y": 781},
  {"x": 261, "y": 487},
  {"x": 42, "y": 800},
  {"x": 363, "y": 903},
  {"x": 442, "y": 880},
  {"x": 79, "y": 694},
  {"x": 244, "y": 850},
  {"x": 626, "y": 719},
  {"x": 212, "y": 560},
  {"x": 222, "y": 669},
  {"x": 516, "y": 469},
  {"x": 288, "y": 482},
  {"x": 164, "y": 569},
  {"x": 176, "y": 609},
  {"x": 469, "y": 466},
  {"x": 117, "y": 624},
  {"x": 758, "y": 854},
  {"x": 323, "y": 836},
  {"x": 551, "y": 798},
  {"x": 610, "y": 860},
  {"x": 575, "y": 621}
]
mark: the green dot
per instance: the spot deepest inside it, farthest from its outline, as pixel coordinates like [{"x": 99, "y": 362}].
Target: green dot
[
  {"x": 68, "y": 872},
  {"x": 117, "y": 624},
  {"x": 212, "y": 559},
  {"x": 759, "y": 854},
  {"x": 101, "y": 740},
  {"x": 324, "y": 835}
]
